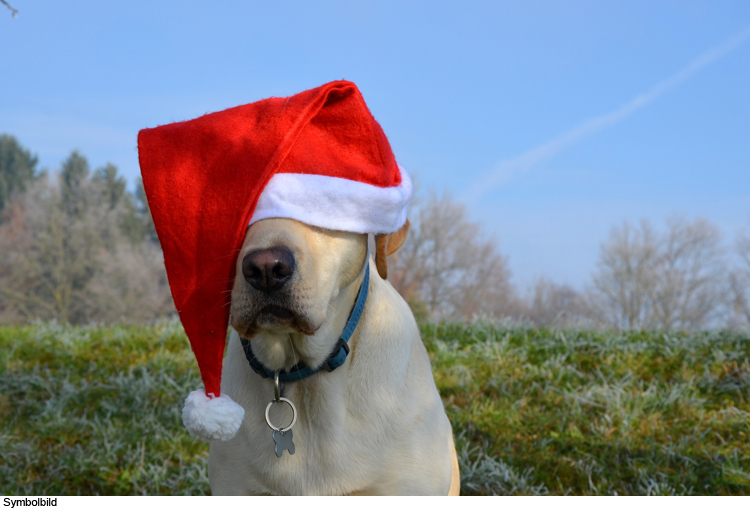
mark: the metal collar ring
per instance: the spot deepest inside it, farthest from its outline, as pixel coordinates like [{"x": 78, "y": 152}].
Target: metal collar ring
[{"x": 268, "y": 418}]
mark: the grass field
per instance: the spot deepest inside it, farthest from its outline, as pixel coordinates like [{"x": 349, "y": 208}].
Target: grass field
[{"x": 97, "y": 410}]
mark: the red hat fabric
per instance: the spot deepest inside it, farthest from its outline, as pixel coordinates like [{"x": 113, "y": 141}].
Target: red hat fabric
[{"x": 318, "y": 157}]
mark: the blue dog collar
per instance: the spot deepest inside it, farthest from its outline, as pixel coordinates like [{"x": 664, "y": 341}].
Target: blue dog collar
[{"x": 340, "y": 351}]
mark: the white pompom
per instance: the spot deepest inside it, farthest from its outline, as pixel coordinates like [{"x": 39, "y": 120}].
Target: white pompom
[{"x": 211, "y": 418}]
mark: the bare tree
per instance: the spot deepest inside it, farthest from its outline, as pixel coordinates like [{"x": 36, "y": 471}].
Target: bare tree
[
  {"x": 670, "y": 281},
  {"x": 66, "y": 255},
  {"x": 43, "y": 257},
  {"x": 448, "y": 267},
  {"x": 739, "y": 281},
  {"x": 130, "y": 286},
  {"x": 743, "y": 247},
  {"x": 13, "y": 12},
  {"x": 626, "y": 271},
  {"x": 691, "y": 272},
  {"x": 551, "y": 304}
]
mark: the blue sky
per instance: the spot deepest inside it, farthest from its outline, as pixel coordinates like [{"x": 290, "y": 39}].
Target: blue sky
[{"x": 460, "y": 88}]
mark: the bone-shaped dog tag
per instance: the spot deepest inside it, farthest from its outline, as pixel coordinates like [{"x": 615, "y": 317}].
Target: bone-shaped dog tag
[
  {"x": 282, "y": 437},
  {"x": 283, "y": 440}
]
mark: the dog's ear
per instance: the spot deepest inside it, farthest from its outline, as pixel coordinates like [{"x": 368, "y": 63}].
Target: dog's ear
[{"x": 386, "y": 245}]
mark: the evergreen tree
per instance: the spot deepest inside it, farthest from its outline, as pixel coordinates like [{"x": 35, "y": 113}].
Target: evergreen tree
[
  {"x": 113, "y": 185},
  {"x": 144, "y": 212},
  {"x": 17, "y": 168},
  {"x": 114, "y": 193},
  {"x": 75, "y": 171}
]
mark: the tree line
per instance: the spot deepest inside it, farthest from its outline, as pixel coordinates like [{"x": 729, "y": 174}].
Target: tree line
[
  {"x": 680, "y": 278},
  {"x": 77, "y": 246}
]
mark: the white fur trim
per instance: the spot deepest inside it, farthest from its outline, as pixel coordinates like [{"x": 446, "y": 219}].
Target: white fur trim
[
  {"x": 335, "y": 203},
  {"x": 211, "y": 418}
]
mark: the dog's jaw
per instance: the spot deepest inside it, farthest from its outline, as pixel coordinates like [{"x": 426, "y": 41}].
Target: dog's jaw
[
  {"x": 279, "y": 347},
  {"x": 275, "y": 350},
  {"x": 285, "y": 312},
  {"x": 279, "y": 333},
  {"x": 275, "y": 320}
]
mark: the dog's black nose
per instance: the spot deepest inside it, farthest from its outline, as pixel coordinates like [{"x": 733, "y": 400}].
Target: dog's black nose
[{"x": 268, "y": 269}]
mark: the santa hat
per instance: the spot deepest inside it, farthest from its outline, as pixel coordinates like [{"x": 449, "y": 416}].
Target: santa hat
[{"x": 318, "y": 157}]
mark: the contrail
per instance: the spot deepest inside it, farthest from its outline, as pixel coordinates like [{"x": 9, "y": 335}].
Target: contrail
[{"x": 506, "y": 169}]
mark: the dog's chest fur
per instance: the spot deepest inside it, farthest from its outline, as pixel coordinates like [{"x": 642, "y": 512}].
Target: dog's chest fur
[{"x": 375, "y": 425}]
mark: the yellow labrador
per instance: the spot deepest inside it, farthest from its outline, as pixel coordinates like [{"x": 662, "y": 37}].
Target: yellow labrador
[{"x": 375, "y": 425}]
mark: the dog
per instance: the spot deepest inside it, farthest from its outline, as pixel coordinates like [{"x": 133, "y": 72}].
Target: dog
[{"x": 375, "y": 425}]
